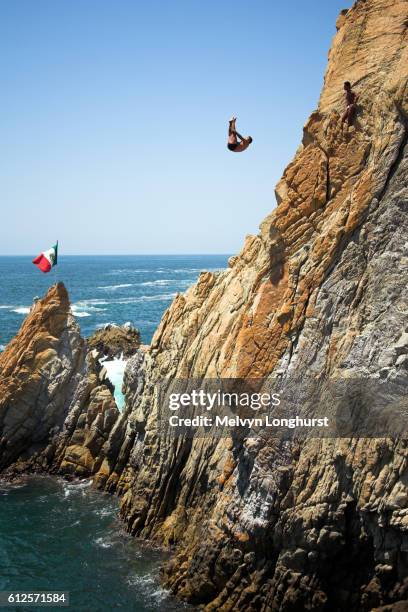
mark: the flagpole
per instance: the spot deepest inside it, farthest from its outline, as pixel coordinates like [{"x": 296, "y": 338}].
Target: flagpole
[{"x": 56, "y": 265}]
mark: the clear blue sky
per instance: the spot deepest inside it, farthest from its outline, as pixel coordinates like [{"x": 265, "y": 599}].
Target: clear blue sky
[{"x": 113, "y": 118}]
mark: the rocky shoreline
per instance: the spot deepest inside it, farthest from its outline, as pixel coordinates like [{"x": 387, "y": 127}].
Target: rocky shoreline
[{"x": 260, "y": 523}]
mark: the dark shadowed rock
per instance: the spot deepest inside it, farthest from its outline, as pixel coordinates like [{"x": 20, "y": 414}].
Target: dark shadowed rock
[{"x": 115, "y": 340}]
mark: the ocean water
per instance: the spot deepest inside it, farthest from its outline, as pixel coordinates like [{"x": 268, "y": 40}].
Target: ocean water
[
  {"x": 64, "y": 536},
  {"x": 60, "y": 536},
  {"x": 103, "y": 289}
]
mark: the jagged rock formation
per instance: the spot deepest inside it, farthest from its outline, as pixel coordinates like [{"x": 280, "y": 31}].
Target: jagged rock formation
[
  {"x": 321, "y": 292},
  {"x": 56, "y": 408},
  {"x": 115, "y": 341}
]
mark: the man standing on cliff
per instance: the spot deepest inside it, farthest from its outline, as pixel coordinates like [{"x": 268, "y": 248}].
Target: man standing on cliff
[
  {"x": 233, "y": 144},
  {"x": 351, "y": 104}
]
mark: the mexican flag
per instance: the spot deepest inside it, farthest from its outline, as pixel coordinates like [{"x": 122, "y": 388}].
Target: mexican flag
[{"x": 47, "y": 260}]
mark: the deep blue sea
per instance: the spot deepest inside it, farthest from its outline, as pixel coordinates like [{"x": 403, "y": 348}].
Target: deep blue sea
[
  {"x": 103, "y": 289},
  {"x": 60, "y": 536}
]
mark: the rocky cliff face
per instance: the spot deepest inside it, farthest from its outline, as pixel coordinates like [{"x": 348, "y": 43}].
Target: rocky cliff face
[{"x": 320, "y": 292}]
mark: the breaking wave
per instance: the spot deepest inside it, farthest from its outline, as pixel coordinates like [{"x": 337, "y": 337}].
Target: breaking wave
[
  {"x": 127, "y": 271},
  {"x": 114, "y": 287},
  {"x": 21, "y": 310},
  {"x": 148, "y": 585},
  {"x": 79, "y": 313},
  {"x": 89, "y": 305},
  {"x": 115, "y": 369},
  {"x": 78, "y": 485},
  {"x": 161, "y": 297},
  {"x": 80, "y": 309},
  {"x": 103, "y": 542},
  {"x": 91, "y": 302},
  {"x": 162, "y": 270},
  {"x": 160, "y": 281}
]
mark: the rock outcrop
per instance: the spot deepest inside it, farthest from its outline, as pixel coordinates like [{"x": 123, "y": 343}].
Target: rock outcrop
[
  {"x": 115, "y": 340},
  {"x": 56, "y": 408}
]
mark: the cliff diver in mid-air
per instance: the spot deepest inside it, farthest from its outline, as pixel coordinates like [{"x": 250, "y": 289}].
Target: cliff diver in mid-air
[
  {"x": 351, "y": 104},
  {"x": 233, "y": 137}
]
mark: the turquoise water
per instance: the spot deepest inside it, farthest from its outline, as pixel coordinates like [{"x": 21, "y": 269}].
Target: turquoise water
[
  {"x": 66, "y": 537},
  {"x": 115, "y": 370}
]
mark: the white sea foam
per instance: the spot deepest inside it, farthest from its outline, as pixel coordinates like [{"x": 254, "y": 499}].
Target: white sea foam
[
  {"x": 168, "y": 281},
  {"x": 88, "y": 304},
  {"x": 196, "y": 270},
  {"x": 85, "y": 483},
  {"x": 103, "y": 543},
  {"x": 105, "y": 512},
  {"x": 160, "y": 281},
  {"x": 2, "y": 347},
  {"x": 72, "y": 487},
  {"x": 146, "y": 298},
  {"x": 128, "y": 271},
  {"x": 88, "y": 307},
  {"x": 161, "y": 270},
  {"x": 91, "y": 303},
  {"x": 115, "y": 369},
  {"x": 114, "y": 287},
  {"x": 141, "y": 322},
  {"x": 145, "y": 584},
  {"x": 4, "y": 307},
  {"x": 143, "y": 581},
  {"x": 81, "y": 313},
  {"x": 77, "y": 486},
  {"x": 80, "y": 309},
  {"x": 21, "y": 310}
]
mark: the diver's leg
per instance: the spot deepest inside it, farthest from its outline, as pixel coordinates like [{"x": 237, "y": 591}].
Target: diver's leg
[
  {"x": 351, "y": 113},
  {"x": 231, "y": 129}
]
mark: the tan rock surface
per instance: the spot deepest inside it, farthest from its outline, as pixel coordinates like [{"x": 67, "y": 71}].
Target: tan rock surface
[
  {"x": 267, "y": 524},
  {"x": 56, "y": 412}
]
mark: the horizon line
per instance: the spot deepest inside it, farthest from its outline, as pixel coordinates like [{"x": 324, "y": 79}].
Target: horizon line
[{"x": 116, "y": 254}]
